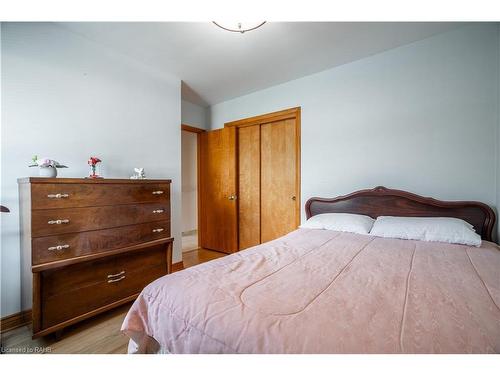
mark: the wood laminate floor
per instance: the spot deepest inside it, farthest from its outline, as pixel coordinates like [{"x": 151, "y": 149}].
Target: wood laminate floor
[
  {"x": 98, "y": 335},
  {"x": 194, "y": 257}
]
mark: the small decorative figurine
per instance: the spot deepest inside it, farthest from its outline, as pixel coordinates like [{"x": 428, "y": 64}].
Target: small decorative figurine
[
  {"x": 93, "y": 161},
  {"x": 46, "y": 167},
  {"x": 139, "y": 174}
]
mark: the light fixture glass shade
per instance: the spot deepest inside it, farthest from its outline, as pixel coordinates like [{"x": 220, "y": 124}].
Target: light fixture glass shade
[{"x": 239, "y": 27}]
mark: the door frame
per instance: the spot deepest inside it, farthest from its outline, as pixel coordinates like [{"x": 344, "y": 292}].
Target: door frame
[
  {"x": 197, "y": 131},
  {"x": 290, "y": 113}
]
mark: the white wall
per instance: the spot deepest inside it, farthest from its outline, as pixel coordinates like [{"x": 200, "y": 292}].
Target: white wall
[
  {"x": 422, "y": 117},
  {"x": 194, "y": 115},
  {"x": 66, "y": 97},
  {"x": 189, "y": 181}
]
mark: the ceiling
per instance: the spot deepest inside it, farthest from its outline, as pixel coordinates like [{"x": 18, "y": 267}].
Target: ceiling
[{"x": 216, "y": 65}]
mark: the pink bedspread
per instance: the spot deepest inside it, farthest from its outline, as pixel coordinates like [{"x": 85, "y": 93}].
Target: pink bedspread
[{"x": 319, "y": 291}]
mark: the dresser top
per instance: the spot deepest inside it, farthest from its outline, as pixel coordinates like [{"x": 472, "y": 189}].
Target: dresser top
[{"x": 46, "y": 180}]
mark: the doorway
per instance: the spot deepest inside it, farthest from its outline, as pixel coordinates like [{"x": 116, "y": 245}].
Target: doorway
[{"x": 190, "y": 186}]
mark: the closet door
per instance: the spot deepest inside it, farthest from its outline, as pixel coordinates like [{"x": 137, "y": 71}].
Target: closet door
[
  {"x": 278, "y": 196},
  {"x": 218, "y": 208},
  {"x": 249, "y": 186}
]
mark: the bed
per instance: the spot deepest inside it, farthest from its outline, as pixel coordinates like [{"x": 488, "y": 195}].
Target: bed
[{"x": 322, "y": 291}]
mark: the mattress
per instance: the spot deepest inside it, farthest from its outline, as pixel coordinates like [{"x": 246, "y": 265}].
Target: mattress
[{"x": 321, "y": 291}]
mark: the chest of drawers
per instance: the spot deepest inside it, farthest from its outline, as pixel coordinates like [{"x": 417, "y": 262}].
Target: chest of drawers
[{"x": 90, "y": 245}]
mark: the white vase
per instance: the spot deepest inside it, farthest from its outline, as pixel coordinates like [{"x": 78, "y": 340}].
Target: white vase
[{"x": 47, "y": 172}]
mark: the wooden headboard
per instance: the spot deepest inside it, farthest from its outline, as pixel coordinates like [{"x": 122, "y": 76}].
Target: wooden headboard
[{"x": 382, "y": 201}]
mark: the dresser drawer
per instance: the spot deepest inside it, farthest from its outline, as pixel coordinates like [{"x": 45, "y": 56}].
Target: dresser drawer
[
  {"x": 45, "y": 196},
  {"x": 78, "y": 289},
  {"x": 69, "y": 220},
  {"x": 66, "y": 246}
]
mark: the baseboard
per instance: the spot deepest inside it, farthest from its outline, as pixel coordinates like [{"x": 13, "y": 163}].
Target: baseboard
[
  {"x": 179, "y": 266},
  {"x": 15, "y": 321}
]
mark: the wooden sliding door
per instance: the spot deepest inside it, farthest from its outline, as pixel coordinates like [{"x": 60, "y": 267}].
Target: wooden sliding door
[
  {"x": 269, "y": 176},
  {"x": 218, "y": 187},
  {"x": 249, "y": 186},
  {"x": 278, "y": 192}
]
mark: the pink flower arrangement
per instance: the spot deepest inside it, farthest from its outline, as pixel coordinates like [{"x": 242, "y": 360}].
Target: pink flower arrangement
[{"x": 46, "y": 162}]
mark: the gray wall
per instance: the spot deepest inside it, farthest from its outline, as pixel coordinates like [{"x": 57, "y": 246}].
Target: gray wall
[
  {"x": 422, "y": 117},
  {"x": 194, "y": 115},
  {"x": 67, "y": 98}
]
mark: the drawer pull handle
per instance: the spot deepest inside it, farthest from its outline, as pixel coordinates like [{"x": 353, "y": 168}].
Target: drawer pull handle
[
  {"x": 116, "y": 274},
  {"x": 116, "y": 280},
  {"x": 58, "y": 247},
  {"x": 58, "y": 195},
  {"x": 158, "y": 211},
  {"x": 157, "y": 192},
  {"x": 158, "y": 230},
  {"x": 58, "y": 221}
]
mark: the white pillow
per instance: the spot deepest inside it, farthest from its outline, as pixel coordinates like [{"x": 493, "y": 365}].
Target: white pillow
[
  {"x": 340, "y": 222},
  {"x": 439, "y": 229}
]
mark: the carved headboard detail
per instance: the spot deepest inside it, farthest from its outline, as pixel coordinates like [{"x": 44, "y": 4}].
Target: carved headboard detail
[{"x": 382, "y": 201}]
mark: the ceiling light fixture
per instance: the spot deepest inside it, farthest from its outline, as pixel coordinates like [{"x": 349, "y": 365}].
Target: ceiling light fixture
[{"x": 239, "y": 27}]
